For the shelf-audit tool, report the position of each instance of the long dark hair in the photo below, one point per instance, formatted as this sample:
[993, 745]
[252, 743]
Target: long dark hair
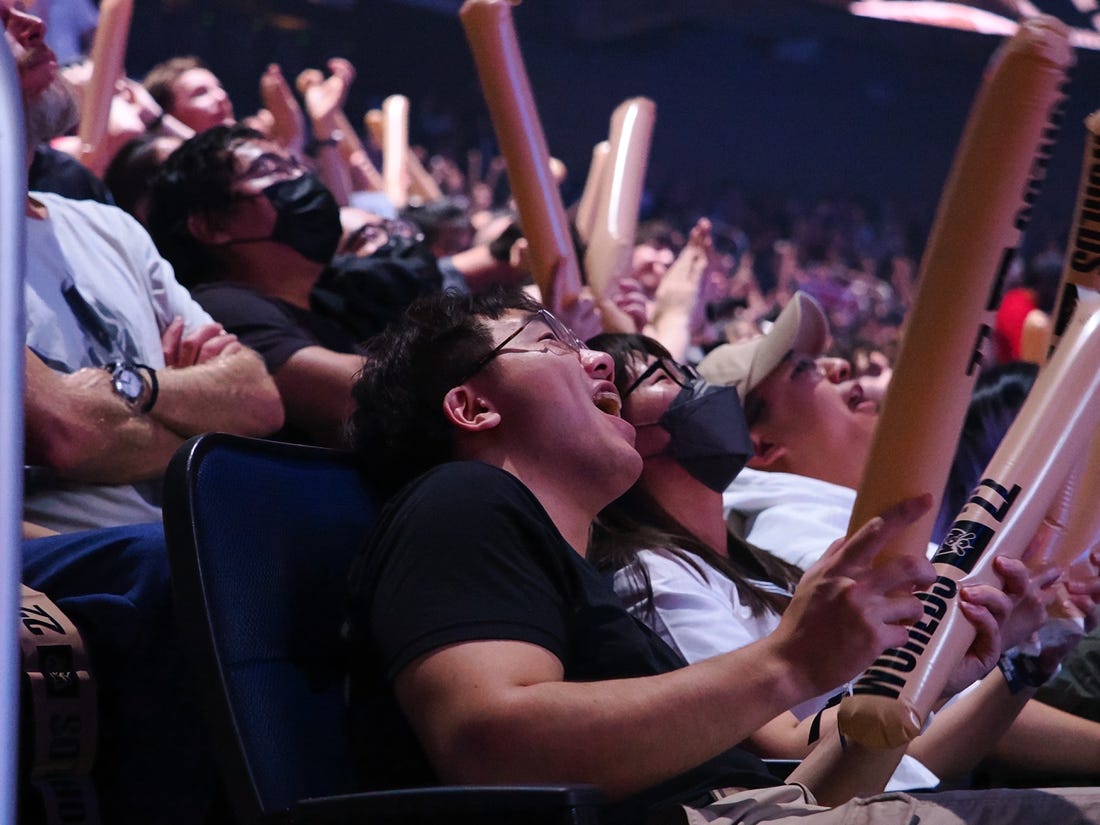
[635, 521]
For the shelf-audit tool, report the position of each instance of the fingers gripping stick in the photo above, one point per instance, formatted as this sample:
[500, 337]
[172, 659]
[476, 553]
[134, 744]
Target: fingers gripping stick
[984, 208]
[893, 697]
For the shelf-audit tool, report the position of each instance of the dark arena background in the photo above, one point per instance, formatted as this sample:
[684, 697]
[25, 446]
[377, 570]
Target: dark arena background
[778, 97]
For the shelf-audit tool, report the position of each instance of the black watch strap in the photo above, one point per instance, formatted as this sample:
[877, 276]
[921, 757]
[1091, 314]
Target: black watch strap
[154, 386]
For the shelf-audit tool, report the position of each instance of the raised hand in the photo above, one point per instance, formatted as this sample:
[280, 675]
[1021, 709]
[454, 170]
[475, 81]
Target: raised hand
[288, 124]
[852, 605]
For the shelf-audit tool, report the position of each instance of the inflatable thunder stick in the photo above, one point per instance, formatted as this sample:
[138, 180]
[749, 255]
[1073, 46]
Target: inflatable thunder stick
[1081, 269]
[892, 698]
[421, 184]
[984, 208]
[375, 122]
[586, 206]
[492, 38]
[1035, 337]
[352, 147]
[108, 55]
[395, 146]
[611, 241]
[1075, 527]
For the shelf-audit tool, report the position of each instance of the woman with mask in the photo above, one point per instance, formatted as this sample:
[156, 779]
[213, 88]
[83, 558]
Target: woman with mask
[705, 591]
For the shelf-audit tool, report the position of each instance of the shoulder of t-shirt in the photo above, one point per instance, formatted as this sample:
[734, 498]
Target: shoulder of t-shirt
[471, 481]
[92, 212]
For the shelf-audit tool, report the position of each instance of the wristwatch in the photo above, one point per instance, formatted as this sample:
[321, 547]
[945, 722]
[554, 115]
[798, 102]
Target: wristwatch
[129, 384]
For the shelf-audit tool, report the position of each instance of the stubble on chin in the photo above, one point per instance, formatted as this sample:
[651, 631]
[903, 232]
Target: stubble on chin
[51, 114]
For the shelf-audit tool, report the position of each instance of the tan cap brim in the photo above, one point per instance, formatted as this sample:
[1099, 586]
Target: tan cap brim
[801, 327]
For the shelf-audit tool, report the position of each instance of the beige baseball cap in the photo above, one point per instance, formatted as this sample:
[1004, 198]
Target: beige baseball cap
[801, 327]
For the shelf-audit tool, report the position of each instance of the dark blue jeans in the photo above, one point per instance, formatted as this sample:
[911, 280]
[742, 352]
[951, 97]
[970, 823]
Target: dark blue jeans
[152, 762]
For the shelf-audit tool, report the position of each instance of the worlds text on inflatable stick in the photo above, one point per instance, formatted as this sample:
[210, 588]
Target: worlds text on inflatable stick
[492, 38]
[395, 146]
[985, 205]
[891, 700]
[108, 55]
[611, 241]
[586, 206]
[1082, 264]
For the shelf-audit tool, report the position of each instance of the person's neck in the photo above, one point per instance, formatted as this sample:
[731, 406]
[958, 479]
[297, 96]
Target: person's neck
[282, 274]
[689, 502]
[568, 505]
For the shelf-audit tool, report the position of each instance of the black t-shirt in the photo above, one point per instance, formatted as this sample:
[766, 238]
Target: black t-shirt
[54, 171]
[365, 294]
[274, 328]
[467, 553]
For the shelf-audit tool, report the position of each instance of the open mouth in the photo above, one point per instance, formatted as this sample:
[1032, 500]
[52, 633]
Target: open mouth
[855, 397]
[858, 402]
[608, 402]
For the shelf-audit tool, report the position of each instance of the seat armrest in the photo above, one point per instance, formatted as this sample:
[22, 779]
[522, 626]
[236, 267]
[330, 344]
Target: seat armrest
[566, 804]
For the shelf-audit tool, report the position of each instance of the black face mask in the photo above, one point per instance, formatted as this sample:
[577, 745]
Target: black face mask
[308, 218]
[708, 434]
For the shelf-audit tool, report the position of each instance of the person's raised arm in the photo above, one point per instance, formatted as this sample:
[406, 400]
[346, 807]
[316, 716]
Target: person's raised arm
[499, 711]
[324, 99]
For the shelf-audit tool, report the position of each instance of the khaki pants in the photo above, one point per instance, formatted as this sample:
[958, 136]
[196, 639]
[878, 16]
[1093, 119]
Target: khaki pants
[793, 805]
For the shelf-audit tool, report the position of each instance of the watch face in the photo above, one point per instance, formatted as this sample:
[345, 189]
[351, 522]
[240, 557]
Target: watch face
[128, 382]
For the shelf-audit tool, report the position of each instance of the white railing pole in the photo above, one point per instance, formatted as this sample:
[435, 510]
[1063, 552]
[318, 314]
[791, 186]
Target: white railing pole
[13, 184]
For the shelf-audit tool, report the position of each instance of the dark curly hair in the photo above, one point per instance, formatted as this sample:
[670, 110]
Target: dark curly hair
[398, 428]
[195, 179]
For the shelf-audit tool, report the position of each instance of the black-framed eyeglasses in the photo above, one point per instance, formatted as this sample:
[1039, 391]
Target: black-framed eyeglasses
[381, 231]
[561, 341]
[267, 164]
[681, 374]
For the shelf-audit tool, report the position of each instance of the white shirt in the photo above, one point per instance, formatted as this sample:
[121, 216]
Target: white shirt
[89, 255]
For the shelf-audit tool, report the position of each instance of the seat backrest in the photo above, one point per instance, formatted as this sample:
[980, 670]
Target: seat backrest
[261, 536]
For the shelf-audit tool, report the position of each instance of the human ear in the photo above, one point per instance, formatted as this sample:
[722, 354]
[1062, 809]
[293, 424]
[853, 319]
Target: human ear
[206, 229]
[767, 455]
[468, 410]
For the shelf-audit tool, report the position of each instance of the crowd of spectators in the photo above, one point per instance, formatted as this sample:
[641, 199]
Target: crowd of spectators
[198, 271]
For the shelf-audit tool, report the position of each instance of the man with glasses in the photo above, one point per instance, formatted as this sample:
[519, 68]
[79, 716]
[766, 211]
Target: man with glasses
[253, 234]
[486, 650]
